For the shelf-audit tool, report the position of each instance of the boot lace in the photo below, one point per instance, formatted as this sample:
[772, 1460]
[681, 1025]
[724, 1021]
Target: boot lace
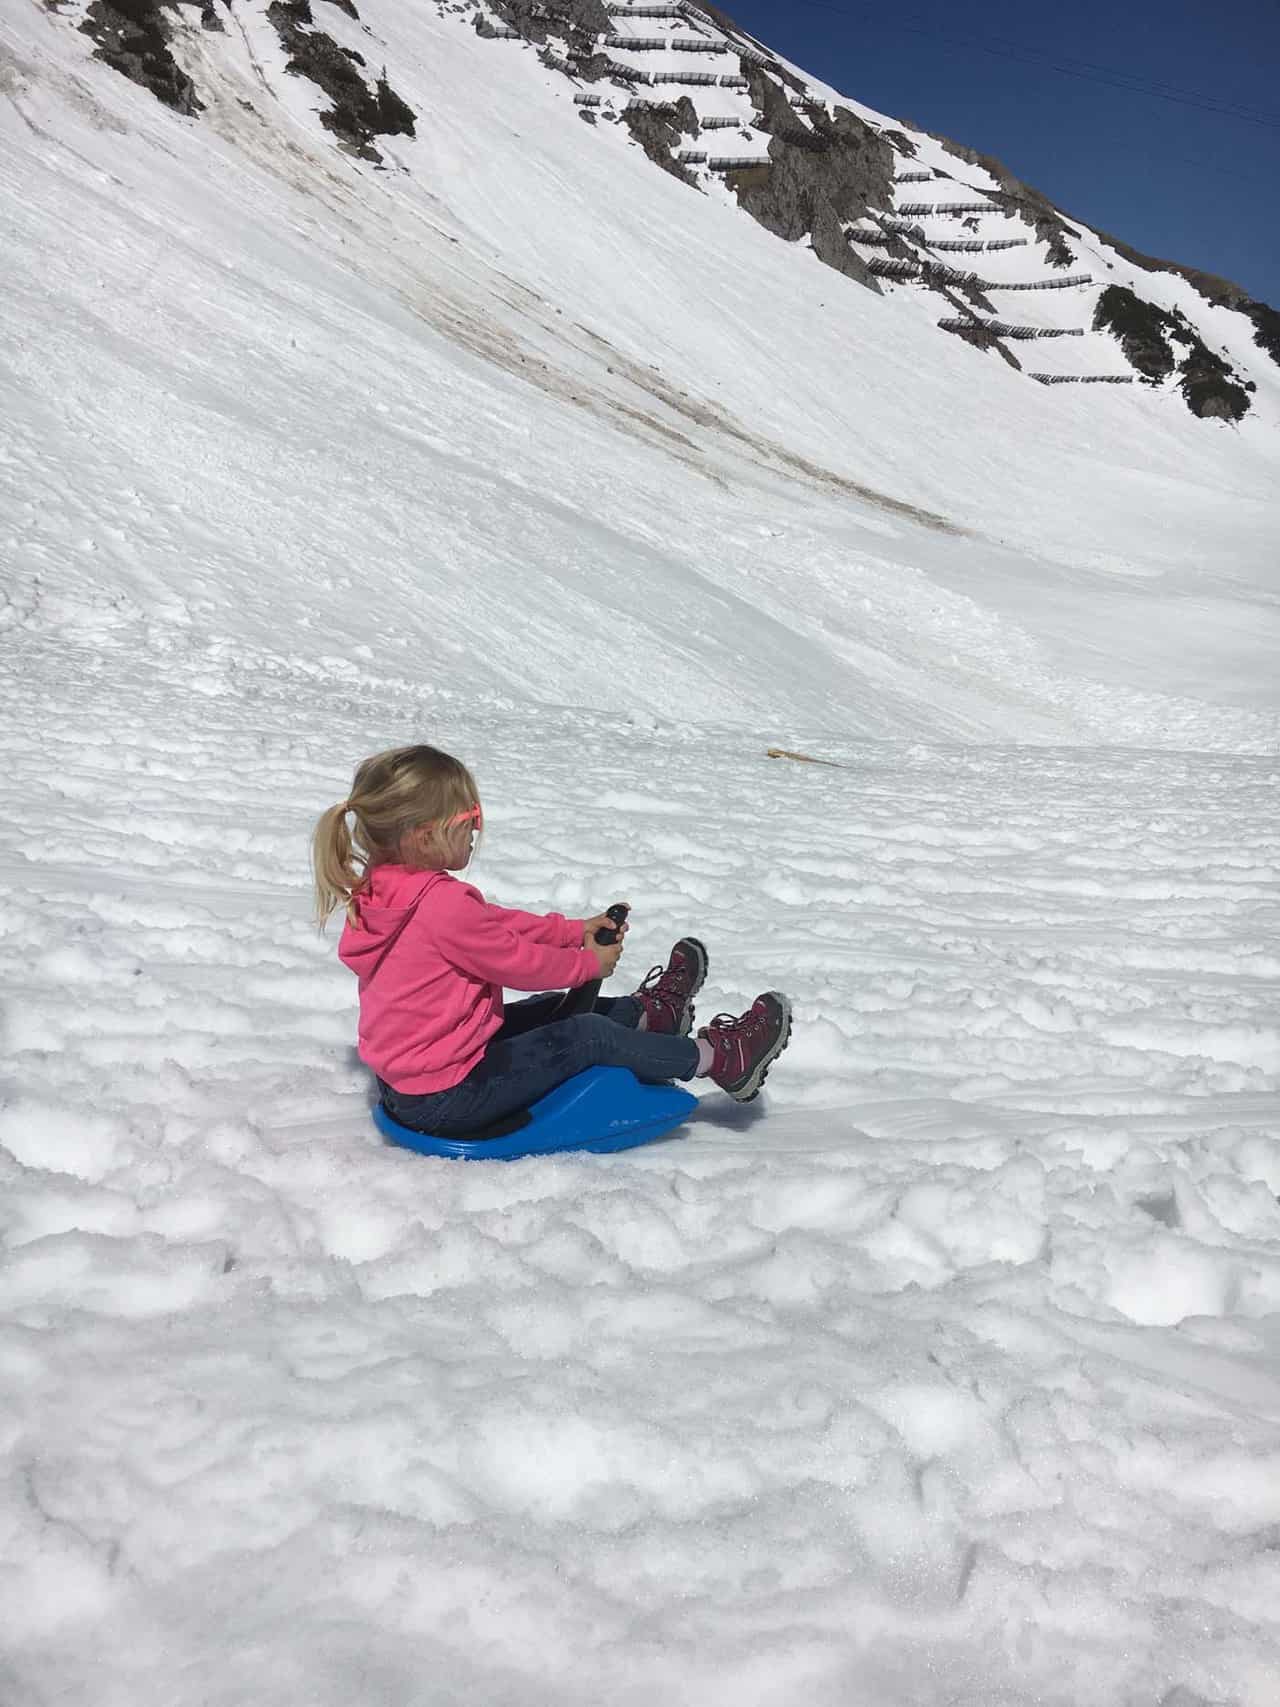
[748, 1025]
[668, 983]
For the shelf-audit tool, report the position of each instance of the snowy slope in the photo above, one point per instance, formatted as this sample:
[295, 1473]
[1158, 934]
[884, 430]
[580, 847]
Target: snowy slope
[391, 320]
[946, 1374]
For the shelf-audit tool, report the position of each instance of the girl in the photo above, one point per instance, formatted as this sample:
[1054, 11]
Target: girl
[432, 956]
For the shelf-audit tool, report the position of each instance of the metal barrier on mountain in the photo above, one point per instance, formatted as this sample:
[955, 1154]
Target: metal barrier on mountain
[890, 267]
[1003, 328]
[1040, 284]
[1083, 378]
[975, 245]
[952, 275]
[947, 207]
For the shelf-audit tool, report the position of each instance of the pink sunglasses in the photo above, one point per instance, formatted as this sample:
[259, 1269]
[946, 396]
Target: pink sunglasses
[474, 816]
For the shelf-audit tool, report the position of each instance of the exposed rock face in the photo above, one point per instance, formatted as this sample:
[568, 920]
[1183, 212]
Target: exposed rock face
[358, 113]
[581, 21]
[659, 129]
[594, 68]
[1211, 387]
[132, 37]
[1142, 329]
[820, 175]
[1147, 335]
[902, 142]
[1221, 292]
[830, 244]
[1266, 327]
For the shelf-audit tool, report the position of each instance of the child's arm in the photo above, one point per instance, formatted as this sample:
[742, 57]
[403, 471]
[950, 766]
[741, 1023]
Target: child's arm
[550, 928]
[479, 939]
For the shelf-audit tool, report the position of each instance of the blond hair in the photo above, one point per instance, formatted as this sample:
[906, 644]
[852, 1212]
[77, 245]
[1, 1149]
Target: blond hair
[392, 793]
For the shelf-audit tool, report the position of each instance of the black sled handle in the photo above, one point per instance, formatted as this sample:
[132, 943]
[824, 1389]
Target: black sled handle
[582, 999]
[618, 913]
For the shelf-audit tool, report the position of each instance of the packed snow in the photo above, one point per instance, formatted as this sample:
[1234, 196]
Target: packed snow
[945, 1375]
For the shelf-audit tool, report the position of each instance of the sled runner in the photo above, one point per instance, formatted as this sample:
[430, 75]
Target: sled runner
[603, 1109]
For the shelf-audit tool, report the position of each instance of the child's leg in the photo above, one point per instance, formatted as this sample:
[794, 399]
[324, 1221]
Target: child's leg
[622, 1010]
[529, 1014]
[515, 1071]
[533, 1011]
[541, 1009]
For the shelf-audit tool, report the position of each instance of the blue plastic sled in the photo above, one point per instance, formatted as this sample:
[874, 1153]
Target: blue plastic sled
[605, 1108]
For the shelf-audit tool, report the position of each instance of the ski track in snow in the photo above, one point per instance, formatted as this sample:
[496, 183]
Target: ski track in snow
[948, 1374]
[950, 1369]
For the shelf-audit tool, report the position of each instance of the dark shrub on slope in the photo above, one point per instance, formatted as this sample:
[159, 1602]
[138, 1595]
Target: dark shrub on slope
[1147, 335]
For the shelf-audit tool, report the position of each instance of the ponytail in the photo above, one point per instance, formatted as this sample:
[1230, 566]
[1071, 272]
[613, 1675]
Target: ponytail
[392, 793]
[338, 877]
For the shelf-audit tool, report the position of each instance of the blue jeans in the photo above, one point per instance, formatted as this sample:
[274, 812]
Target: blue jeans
[533, 1053]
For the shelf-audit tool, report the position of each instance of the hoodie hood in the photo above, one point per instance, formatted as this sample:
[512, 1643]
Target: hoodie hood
[383, 908]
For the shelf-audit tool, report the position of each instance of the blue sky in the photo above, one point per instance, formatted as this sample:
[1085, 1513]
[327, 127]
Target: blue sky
[1171, 177]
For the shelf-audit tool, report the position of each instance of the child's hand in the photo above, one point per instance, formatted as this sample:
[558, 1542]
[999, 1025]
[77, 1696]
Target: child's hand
[607, 955]
[601, 922]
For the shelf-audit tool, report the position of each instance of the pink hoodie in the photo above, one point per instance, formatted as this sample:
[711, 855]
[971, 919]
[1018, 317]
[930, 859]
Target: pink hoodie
[432, 956]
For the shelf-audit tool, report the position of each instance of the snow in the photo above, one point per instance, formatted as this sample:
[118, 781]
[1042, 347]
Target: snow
[945, 1374]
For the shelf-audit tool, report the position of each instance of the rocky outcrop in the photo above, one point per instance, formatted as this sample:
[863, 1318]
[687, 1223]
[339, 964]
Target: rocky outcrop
[1219, 291]
[1266, 327]
[578, 22]
[358, 113]
[658, 130]
[1147, 335]
[593, 68]
[1211, 386]
[820, 176]
[902, 142]
[133, 36]
[1143, 331]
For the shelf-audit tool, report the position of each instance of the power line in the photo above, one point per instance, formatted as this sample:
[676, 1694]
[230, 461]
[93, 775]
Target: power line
[1108, 76]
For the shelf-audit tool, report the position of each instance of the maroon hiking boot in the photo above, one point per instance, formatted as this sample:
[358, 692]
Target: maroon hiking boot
[667, 993]
[745, 1047]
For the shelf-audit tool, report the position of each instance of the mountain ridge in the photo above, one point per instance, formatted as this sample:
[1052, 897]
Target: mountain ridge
[791, 492]
[810, 164]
